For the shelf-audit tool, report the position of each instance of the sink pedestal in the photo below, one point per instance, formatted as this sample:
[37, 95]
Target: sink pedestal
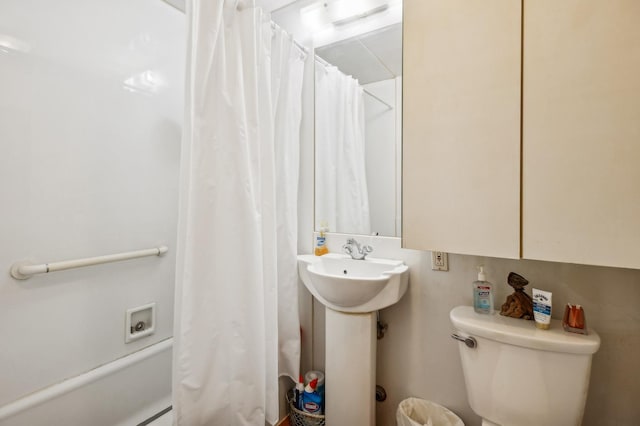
[352, 291]
[350, 368]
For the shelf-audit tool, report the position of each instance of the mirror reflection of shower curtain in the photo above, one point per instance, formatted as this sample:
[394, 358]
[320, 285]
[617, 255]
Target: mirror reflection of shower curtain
[342, 198]
[236, 311]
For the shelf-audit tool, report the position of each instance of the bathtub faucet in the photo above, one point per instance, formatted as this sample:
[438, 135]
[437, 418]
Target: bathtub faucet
[355, 250]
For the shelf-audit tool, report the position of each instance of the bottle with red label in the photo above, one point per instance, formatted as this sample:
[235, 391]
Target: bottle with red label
[482, 294]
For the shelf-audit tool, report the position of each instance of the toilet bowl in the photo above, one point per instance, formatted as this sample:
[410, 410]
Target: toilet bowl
[518, 375]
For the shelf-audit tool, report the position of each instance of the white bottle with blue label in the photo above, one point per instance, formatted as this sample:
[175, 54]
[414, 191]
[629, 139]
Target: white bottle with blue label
[482, 294]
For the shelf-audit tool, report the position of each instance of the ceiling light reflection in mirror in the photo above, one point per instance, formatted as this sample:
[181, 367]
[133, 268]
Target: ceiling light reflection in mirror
[335, 20]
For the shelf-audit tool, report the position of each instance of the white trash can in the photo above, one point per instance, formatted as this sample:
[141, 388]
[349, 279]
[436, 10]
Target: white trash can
[419, 412]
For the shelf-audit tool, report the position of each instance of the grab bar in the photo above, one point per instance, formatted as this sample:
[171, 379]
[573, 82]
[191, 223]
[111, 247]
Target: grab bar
[24, 270]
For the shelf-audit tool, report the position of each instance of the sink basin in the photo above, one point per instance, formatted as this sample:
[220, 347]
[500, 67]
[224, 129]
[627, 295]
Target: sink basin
[354, 286]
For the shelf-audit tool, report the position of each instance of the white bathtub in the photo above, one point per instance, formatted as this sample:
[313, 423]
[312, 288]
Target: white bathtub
[124, 392]
[164, 420]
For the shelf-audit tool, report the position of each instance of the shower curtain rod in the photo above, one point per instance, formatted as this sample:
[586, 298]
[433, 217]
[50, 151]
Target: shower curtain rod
[298, 45]
[180, 5]
[327, 64]
[304, 50]
[24, 270]
[377, 98]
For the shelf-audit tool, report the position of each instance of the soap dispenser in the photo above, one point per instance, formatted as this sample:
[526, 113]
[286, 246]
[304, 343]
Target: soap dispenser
[482, 294]
[321, 242]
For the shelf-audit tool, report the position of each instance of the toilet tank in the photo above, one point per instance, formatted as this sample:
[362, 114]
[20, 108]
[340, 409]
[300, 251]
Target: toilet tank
[518, 375]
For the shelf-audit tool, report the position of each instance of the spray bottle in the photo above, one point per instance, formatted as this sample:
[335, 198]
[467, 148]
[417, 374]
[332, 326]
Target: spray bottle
[311, 401]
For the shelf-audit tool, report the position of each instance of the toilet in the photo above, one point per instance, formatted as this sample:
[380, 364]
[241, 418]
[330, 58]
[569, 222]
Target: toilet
[518, 375]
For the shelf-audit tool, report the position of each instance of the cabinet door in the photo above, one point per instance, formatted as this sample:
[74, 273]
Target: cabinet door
[461, 128]
[581, 131]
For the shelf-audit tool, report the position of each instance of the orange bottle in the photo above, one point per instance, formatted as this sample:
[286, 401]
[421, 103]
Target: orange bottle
[321, 242]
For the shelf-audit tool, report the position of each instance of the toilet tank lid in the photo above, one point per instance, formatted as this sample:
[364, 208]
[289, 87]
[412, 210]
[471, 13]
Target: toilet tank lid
[523, 333]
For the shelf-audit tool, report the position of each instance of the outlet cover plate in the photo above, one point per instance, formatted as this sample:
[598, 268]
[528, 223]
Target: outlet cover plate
[439, 261]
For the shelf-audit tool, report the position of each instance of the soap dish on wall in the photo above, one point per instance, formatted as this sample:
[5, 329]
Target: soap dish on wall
[140, 322]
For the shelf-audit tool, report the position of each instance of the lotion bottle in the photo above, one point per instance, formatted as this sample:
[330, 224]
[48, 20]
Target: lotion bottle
[482, 294]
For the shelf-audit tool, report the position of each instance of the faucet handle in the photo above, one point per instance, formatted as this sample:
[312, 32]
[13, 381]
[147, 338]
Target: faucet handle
[355, 250]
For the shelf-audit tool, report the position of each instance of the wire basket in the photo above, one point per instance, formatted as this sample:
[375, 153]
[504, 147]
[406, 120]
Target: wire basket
[300, 418]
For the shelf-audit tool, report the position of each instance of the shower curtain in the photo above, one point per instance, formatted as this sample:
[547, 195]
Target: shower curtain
[236, 319]
[342, 198]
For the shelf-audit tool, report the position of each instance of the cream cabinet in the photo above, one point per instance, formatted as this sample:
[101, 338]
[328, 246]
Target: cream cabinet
[461, 126]
[577, 199]
[581, 132]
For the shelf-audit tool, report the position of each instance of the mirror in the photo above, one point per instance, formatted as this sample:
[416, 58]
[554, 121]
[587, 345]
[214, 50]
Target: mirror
[358, 133]
[358, 120]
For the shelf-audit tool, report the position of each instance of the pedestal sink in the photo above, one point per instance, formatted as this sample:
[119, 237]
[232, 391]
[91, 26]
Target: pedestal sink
[352, 291]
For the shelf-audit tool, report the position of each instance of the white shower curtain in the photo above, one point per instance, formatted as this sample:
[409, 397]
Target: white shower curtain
[236, 318]
[342, 198]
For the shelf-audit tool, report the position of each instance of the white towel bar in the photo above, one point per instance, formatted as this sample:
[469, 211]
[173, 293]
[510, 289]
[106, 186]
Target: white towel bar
[24, 270]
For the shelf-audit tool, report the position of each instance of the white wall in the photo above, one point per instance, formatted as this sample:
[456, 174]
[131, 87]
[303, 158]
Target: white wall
[418, 358]
[381, 123]
[90, 123]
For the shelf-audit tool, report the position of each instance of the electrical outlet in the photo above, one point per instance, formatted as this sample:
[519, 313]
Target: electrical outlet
[439, 261]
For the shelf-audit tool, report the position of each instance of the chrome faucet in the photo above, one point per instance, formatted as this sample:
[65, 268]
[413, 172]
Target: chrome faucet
[355, 250]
